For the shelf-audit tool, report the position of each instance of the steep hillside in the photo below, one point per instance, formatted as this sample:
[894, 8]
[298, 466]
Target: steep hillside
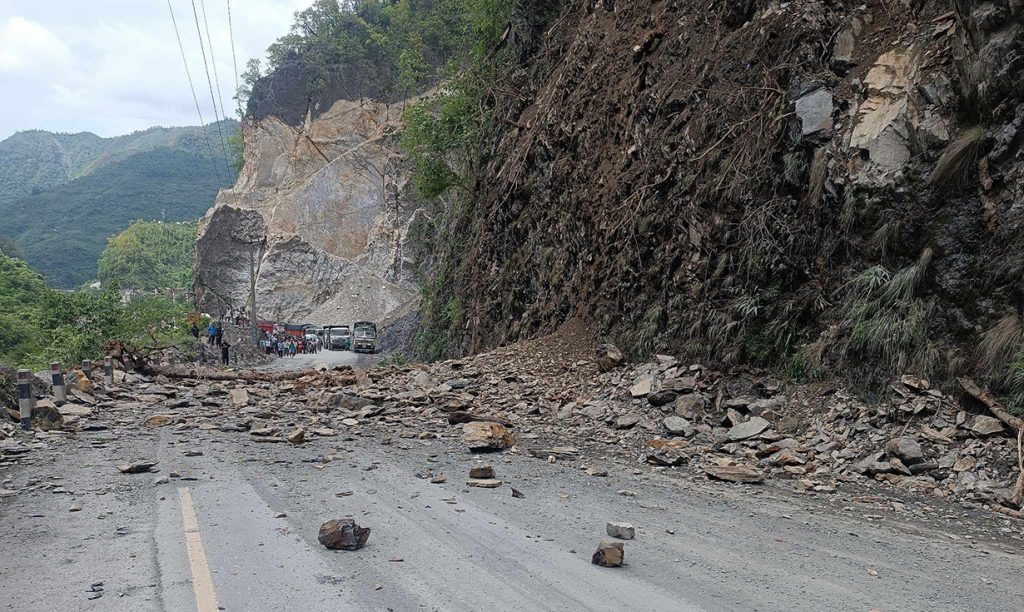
[810, 185]
[61, 231]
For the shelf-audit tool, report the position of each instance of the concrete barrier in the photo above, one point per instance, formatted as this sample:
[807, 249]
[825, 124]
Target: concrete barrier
[60, 392]
[25, 398]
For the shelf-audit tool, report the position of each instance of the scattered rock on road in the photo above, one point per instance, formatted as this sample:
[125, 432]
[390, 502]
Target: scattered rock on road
[298, 436]
[622, 531]
[136, 468]
[481, 471]
[609, 554]
[906, 449]
[157, 420]
[484, 483]
[343, 534]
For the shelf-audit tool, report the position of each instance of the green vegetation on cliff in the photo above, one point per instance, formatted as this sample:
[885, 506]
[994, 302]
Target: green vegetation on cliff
[149, 255]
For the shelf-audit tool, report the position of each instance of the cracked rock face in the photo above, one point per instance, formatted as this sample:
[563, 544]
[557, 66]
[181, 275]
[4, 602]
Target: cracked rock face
[321, 208]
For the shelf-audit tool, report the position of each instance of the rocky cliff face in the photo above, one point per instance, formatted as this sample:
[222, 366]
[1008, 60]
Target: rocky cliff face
[323, 208]
[808, 184]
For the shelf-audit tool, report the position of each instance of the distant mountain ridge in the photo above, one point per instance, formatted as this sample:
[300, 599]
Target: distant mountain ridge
[63, 195]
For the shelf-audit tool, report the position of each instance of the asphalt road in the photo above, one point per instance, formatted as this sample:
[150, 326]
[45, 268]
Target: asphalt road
[214, 533]
[324, 358]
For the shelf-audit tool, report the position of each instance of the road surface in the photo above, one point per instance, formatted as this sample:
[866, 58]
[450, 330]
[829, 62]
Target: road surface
[230, 523]
[324, 358]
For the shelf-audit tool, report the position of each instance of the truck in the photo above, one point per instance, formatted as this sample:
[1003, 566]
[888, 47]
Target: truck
[337, 337]
[365, 337]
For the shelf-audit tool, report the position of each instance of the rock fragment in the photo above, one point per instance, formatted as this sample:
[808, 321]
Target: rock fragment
[140, 467]
[986, 425]
[734, 473]
[906, 449]
[609, 554]
[157, 420]
[481, 471]
[748, 429]
[298, 436]
[622, 531]
[609, 357]
[343, 534]
[486, 436]
[484, 483]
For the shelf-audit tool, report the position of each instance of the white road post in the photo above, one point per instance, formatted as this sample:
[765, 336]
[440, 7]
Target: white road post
[60, 392]
[108, 371]
[25, 399]
[87, 368]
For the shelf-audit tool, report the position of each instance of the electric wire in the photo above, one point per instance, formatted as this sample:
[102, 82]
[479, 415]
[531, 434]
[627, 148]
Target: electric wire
[234, 59]
[209, 82]
[195, 98]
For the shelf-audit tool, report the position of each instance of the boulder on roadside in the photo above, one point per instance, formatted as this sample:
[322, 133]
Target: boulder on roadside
[609, 554]
[689, 406]
[343, 534]
[486, 436]
[678, 426]
[609, 357]
[642, 386]
[748, 429]
[986, 425]
[298, 436]
[906, 449]
[46, 418]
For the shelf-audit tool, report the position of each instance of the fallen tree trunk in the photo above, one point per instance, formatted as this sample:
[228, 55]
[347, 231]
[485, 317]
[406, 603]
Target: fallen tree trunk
[1014, 422]
[983, 396]
[246, 375]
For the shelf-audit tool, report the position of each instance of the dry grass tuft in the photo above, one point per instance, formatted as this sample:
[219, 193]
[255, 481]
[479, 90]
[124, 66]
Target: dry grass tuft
[954, 167]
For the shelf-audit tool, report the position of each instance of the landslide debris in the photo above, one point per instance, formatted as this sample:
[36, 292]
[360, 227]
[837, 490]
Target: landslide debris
[548, 398]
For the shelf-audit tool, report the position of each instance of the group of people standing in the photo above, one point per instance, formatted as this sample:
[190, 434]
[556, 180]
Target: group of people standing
[215, 337]
[290, 347]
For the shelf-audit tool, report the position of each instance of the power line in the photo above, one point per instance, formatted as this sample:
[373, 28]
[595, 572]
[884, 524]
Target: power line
[209, 82]
[195, 98]
[234, 60]
[213, 61]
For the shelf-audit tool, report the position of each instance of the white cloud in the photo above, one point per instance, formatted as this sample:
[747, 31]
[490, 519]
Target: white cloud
[26, 45]
[117, 68]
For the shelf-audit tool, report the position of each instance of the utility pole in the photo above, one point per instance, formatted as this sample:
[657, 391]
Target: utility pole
[252, 291]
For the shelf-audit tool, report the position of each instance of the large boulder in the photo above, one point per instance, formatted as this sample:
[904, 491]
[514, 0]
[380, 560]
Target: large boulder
[486, 436]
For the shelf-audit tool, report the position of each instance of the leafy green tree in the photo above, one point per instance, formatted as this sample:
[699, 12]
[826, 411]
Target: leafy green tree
[149, 255]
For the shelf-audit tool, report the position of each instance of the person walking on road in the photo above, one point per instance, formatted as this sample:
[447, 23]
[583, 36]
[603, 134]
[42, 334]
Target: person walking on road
[211, 333]
[225, 346]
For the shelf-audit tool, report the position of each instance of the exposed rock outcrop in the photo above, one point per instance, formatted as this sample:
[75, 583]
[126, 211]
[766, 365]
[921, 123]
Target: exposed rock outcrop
[322, 208]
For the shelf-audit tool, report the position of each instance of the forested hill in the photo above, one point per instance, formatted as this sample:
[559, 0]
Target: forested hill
[63, 195]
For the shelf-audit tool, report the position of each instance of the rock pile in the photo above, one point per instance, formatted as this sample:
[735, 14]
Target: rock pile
[550, 398]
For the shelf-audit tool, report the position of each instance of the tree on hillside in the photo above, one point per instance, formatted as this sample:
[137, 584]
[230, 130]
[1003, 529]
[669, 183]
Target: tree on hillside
[149, 255]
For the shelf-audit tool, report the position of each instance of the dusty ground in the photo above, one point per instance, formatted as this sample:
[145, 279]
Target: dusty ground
[74, 520]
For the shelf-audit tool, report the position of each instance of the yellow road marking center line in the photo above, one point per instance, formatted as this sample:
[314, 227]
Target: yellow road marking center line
[202, 581]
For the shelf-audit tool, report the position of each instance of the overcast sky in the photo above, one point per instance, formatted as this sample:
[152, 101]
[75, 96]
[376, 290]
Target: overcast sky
[113, 66]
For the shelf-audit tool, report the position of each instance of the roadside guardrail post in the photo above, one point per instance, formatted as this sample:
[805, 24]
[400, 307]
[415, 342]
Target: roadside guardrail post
[108, 371]
[25, 399]
[87, 368]
[60, 392]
